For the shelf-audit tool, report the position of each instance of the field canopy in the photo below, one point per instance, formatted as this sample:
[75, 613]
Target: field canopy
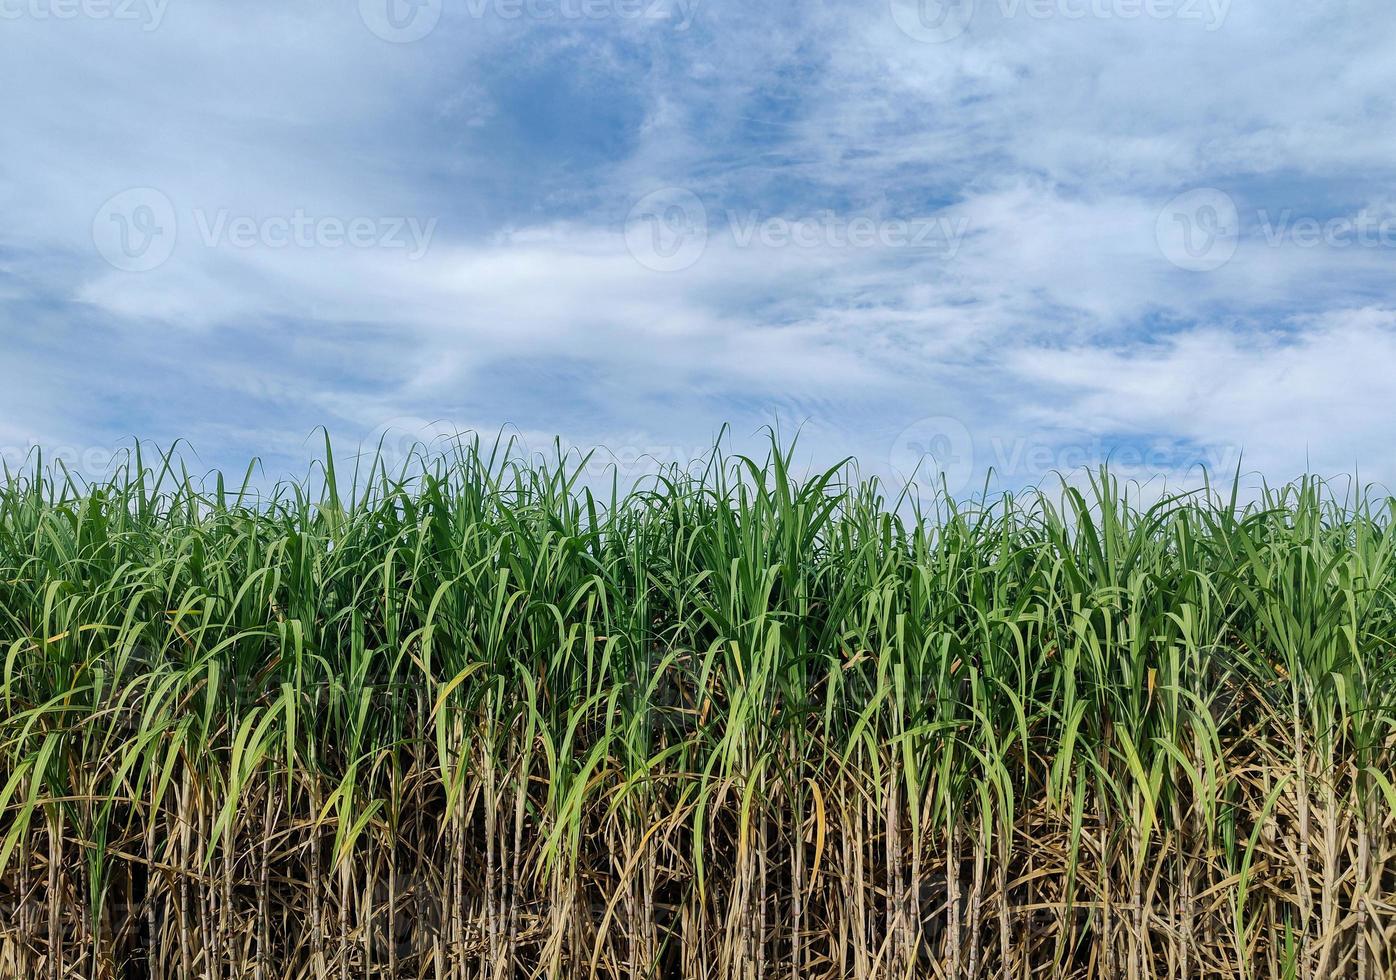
[471, 716]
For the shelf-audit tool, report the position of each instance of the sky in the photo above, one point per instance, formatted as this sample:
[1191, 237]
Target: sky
[1014, 237]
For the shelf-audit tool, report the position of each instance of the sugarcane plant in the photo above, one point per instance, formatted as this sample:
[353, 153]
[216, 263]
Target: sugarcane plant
[483, 715]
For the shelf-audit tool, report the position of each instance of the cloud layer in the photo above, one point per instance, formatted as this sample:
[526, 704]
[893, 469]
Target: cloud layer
[1018, 234]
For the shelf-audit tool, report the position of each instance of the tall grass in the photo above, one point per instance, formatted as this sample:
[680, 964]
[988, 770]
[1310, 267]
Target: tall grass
[469, 720]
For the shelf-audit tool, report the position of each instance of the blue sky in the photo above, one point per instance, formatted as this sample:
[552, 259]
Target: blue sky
[1019, 234]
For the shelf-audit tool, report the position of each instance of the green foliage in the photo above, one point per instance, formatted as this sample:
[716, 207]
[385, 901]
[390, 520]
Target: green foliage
[726, 687]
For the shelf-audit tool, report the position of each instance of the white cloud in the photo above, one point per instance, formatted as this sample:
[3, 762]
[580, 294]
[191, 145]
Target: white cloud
[1310, 396]
[1056, 141]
